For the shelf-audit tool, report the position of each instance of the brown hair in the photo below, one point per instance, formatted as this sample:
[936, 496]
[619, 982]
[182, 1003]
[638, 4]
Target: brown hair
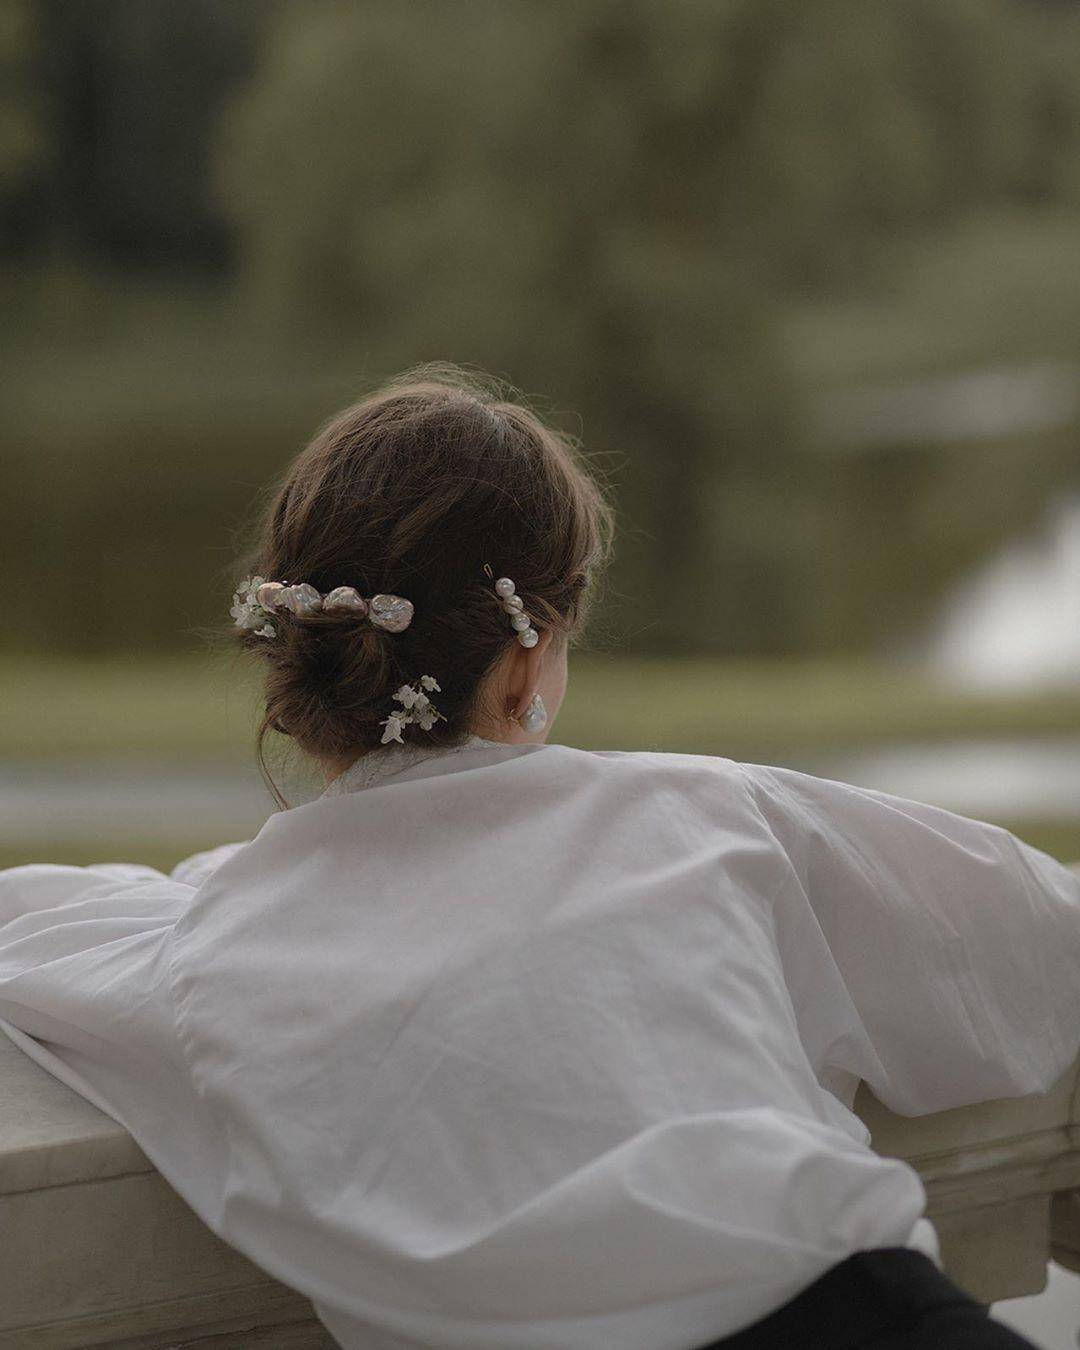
[410, 492]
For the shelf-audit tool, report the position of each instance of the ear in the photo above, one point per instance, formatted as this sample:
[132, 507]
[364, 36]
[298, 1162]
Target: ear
[526, 677]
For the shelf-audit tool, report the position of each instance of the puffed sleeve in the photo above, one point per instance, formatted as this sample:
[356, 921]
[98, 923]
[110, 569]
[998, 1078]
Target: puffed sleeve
[47, 886]
[933, 955]
[82, 947]
[85, 990]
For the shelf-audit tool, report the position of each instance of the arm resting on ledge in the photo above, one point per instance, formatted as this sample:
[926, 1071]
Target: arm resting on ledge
[99, 1249]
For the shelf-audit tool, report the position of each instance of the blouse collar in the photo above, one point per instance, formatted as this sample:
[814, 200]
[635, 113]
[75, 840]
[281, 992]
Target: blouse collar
[386, 760]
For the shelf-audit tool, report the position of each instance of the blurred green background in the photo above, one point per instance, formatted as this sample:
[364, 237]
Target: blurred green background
[803, 278]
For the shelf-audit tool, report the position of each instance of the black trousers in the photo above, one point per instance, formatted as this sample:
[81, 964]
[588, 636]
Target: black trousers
[885, 1298]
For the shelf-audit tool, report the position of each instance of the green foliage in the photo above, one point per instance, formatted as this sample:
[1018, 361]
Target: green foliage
[678, 220]
[24, 135]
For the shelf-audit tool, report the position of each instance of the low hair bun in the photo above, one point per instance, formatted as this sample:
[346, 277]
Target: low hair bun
[328, 681]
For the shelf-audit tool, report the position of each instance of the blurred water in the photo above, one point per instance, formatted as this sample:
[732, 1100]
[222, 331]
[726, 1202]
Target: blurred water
[93, 802]
[1015, 624]
[1029, 777]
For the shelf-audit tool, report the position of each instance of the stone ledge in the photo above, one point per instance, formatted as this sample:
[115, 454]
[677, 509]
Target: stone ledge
[100, 1251]
[1002, 1180]
[50, 1136]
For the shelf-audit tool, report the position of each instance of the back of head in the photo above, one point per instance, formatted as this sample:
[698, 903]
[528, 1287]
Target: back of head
[411, 492]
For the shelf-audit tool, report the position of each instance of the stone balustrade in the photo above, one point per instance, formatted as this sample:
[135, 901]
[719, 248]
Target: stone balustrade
[98, 1250]
[1002, 1183]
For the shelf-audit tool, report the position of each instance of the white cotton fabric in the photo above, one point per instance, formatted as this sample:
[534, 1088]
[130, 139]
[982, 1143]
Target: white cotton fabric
[533, 1048]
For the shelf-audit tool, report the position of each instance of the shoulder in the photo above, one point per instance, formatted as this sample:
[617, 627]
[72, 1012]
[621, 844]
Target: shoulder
[645, 771]
[657, 762]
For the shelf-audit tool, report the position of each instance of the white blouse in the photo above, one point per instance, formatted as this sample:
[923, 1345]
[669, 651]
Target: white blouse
[524, 1047]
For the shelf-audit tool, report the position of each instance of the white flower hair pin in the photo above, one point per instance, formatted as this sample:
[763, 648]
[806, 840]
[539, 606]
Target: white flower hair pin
[416, 706]
[247, 611]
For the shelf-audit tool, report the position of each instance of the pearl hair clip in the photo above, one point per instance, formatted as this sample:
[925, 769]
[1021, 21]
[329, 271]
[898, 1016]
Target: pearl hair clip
[513, 605]
[256, 600]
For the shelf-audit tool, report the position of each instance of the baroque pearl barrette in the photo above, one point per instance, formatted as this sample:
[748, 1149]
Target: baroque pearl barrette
[256, 600]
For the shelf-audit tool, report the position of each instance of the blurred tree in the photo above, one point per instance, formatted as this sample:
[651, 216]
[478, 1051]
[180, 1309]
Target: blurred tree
[610, 197]
[134, 87]
[25, 149]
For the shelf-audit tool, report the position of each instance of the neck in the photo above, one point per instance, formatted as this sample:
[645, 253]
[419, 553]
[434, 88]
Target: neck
[332, 770]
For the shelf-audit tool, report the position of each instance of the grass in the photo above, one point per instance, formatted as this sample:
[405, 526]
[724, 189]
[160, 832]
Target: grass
[195, 708]
[757, 710]
[134, 850]
[167, 708]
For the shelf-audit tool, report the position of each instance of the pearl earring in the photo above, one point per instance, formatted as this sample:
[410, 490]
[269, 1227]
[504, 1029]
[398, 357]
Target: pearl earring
[534, 718]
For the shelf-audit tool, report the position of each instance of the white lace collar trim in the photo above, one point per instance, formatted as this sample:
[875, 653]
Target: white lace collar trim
[383, 762]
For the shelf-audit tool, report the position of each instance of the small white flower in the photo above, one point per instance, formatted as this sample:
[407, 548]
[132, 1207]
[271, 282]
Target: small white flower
[247, 616]
[422, 710]
[393, 725]
[406, 695]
